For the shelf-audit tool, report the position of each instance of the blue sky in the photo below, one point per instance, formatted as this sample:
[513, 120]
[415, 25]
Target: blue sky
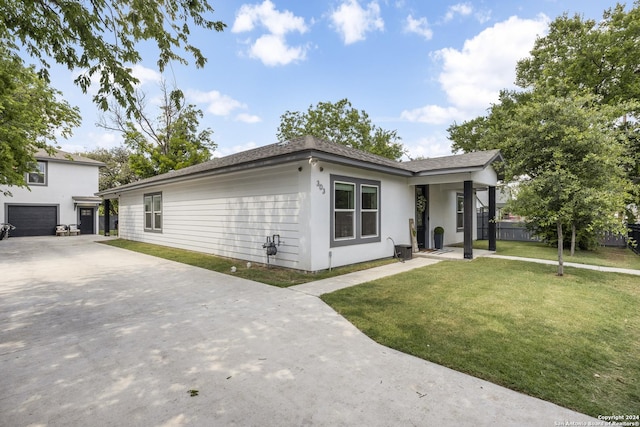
[414, 66]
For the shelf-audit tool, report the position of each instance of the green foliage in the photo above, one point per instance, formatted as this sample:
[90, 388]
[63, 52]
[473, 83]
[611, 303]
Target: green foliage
[117, 171]
[100, 38]
[342, 124]
[172, 141]
[31, 116]
[567, 137]
[438, 230]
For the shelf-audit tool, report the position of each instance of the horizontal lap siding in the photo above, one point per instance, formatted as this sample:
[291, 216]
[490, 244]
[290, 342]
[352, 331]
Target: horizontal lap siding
[229, 216]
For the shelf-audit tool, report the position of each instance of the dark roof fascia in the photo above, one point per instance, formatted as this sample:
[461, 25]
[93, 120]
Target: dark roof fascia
[254, 164]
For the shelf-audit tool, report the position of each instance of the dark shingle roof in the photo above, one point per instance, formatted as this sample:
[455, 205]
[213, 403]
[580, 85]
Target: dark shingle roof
[62, 156]
[299, 149]
[477, 159]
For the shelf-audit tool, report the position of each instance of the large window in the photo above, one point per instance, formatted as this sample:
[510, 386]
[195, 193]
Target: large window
[344, 212]
[355, 210]
[459, 212]
[369, 212]
[38, 176]
[153, 212]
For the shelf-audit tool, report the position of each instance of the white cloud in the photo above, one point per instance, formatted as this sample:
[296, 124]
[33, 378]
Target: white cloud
[463, 9]
[145, 75]
[272, 48]
[267, 16]
[473, 77]
[431, 114]
[353, 22]
[419, 26]
[226, 151]
[436, 145]
[248, 118]
[216, 103]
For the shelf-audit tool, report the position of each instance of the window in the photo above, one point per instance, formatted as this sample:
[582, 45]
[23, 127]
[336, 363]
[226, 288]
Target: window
[369, 210]
[344, 212]
[459, 212]
[355, 210]
[153, 212]
[39, 174]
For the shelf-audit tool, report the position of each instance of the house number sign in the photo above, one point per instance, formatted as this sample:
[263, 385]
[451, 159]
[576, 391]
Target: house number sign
[320, 186]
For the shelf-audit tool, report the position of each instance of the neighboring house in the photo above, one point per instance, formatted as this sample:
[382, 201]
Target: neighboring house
[326, 205]
[61, 191]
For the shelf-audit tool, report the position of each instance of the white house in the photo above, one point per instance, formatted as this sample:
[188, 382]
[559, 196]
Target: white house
[320, 204]
[61, 191]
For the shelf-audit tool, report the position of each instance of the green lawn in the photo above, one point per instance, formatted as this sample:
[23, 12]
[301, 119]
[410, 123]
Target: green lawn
[281, 277]
[571, 340]
[607, 257]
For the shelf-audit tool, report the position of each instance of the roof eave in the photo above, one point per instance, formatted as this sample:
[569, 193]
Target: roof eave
[272, 161]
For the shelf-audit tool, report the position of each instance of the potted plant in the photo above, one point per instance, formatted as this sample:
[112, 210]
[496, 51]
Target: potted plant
[438, 236]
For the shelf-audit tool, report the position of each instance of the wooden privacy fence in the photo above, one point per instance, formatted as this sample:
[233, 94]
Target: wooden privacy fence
[516, 231]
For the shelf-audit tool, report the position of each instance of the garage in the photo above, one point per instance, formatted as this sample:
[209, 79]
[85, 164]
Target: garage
[31, 220]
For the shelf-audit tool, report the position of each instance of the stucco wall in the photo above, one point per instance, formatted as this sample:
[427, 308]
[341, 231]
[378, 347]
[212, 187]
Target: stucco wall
[442, 211]
[397, 205]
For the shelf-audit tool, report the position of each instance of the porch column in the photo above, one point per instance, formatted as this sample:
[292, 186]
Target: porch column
[492, 218]
[468, 220]
[107, 216]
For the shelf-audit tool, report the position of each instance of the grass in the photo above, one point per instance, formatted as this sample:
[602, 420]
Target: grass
[275, 276]
[571, 340]
[603, 256]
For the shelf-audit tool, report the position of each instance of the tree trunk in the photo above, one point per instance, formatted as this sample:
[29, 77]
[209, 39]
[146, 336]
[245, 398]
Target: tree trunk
[573, 239]
[560, 261]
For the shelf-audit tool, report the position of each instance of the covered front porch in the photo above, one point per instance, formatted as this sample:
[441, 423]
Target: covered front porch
[446, 199]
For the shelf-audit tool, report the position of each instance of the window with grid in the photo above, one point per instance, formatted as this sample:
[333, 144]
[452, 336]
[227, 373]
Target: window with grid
[153, 212]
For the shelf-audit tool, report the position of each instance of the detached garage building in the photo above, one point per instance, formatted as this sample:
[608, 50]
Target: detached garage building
[62, 192]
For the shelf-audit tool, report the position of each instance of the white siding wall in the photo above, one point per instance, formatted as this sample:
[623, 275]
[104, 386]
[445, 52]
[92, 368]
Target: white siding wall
[227, 215]
[64, 180]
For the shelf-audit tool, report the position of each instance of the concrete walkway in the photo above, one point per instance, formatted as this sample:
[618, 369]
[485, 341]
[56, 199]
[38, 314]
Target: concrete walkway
[95, 335]
[570, 264]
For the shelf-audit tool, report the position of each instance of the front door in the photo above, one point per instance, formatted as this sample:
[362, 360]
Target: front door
[87, 221]
[422, 216]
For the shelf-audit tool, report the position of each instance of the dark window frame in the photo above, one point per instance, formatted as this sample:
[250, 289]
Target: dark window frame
[358, 210]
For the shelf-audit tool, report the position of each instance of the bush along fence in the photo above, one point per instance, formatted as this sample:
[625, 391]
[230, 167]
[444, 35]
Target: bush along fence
[516, 231]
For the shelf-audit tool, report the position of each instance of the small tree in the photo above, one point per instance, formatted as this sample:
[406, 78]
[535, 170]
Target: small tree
[568, 164]
[342, 124]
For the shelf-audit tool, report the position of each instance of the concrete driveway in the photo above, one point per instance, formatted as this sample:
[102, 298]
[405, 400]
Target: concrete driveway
[95, 335]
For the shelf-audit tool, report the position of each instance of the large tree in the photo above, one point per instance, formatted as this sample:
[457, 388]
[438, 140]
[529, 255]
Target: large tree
[101, 38]
[593, 68]
[171, 141]
[342, 124]
[566, 157]
[599, 58]
[31, 114]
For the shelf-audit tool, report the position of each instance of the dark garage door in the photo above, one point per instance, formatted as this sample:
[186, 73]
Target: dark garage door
[33, 220]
